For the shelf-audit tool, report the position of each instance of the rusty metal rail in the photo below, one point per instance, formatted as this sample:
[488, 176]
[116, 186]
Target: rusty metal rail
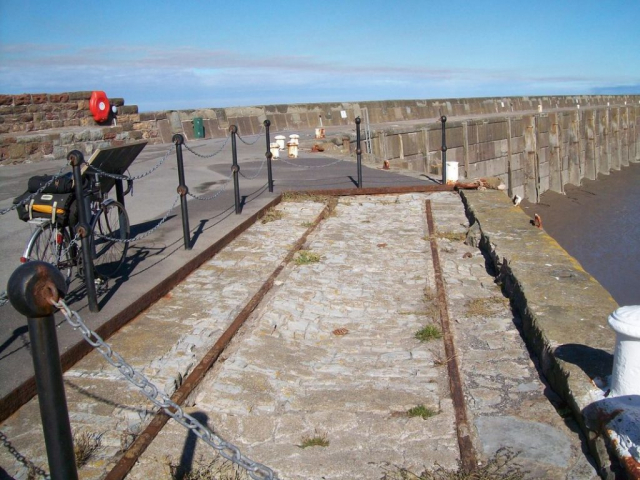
[468, 455]
[137, 448]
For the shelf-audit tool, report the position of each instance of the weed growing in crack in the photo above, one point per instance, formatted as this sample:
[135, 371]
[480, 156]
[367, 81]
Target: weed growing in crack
[305, 257]
[422, 412]
[427, 333]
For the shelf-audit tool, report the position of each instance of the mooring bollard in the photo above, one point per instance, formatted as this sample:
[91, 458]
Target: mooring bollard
[182, 190]
[443, 119]
[31, 289]
[76, 159]
[269, 155]
[235, 168]
[358, 152]
[625, 380]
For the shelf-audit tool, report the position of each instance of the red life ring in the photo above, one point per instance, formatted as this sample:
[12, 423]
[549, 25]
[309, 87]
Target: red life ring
[99, 106]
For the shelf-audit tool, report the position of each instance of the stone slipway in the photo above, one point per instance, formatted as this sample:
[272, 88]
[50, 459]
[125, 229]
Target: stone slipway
[564, 310]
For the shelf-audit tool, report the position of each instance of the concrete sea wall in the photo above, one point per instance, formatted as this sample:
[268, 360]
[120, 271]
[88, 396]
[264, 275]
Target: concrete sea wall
[533, 143]
[531, 152]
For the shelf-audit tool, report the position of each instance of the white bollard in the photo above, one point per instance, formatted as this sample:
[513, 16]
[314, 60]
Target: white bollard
[452, 172]
[293, 150]
[625, 380]
[294, 138]
[275, 150]
[280, 141]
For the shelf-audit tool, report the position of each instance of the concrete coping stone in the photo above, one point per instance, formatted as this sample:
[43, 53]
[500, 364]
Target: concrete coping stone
[564, 310]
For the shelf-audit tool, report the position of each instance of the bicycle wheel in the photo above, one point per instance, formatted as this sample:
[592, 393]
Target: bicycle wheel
[109, 229]
[50, 243]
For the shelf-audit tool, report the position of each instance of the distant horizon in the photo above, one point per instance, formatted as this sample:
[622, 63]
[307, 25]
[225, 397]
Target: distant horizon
[205, 54]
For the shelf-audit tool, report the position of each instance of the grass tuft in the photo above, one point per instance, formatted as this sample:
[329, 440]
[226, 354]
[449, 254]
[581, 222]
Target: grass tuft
[306, 257]
[429, 332]
[315, 441]
[485, 307]
[421, 411]
[499, 467]
[85, 445]
[217, 469]
[272, 215]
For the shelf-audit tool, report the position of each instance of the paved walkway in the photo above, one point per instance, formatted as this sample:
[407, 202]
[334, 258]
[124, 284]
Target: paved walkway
[330, 354]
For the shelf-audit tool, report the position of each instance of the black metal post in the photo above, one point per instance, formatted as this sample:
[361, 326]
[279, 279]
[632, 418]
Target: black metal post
[76, 159]
[182, 191]
[443, 119]
[235, 168]
[358, 152]
[31, 289]
[269, 155]
[119, 191]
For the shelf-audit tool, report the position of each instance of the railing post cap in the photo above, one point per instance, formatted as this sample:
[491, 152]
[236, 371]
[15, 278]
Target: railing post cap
[178, 139]
[32, 287]
[358, 120]
[75, 157]
[233, 129]
[443, 118]
[267, 123]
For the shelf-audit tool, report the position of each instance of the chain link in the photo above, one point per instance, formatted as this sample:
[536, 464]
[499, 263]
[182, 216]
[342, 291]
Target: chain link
[255, 141]
[258, 173]
[224, 187]
[142, 235]
[310, 166]
[136, 177]
[40, 190]
[4, 298]
[226, 140]
[21, 458]
[160, 399]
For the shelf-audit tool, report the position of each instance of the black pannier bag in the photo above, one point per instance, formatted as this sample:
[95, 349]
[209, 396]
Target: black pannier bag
[62, 184]
[55, 206]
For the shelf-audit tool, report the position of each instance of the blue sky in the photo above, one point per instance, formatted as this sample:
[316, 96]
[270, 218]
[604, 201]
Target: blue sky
[196, 54]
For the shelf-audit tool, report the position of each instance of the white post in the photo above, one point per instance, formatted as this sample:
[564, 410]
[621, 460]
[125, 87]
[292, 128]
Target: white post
[625, 380]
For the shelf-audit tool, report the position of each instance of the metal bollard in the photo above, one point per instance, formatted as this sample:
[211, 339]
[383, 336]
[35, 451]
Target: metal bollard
[358, 152]
[443, 119]
[31, 288]
[269, 156]
[182, 190]
[235, 168]
[625, 380]
[76, 159]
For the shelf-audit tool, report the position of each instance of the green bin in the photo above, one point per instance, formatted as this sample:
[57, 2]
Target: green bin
[198, 128]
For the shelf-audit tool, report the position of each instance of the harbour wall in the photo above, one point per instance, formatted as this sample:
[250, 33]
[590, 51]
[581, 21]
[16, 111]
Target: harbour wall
[533, 143]
[531, 153]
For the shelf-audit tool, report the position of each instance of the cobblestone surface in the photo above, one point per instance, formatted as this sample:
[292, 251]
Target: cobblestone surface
[165, 342]
[288, 377]
[329, 354]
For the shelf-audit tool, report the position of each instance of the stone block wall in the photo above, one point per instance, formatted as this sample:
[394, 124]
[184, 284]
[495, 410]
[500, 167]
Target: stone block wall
[531, 153]
[509, 132]
[48, 126]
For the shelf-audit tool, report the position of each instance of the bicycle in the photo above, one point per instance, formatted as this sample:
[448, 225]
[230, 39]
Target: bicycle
[55, 241]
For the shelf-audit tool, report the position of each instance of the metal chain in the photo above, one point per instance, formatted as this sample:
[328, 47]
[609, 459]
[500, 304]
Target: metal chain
[136, 177]
[21, 458]
[255, 141]
[224, 187]
[28, 199]
[4, 298]
[160, 399]
[142, 235]
[226, 140]
[258, 173]
[311, 166]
